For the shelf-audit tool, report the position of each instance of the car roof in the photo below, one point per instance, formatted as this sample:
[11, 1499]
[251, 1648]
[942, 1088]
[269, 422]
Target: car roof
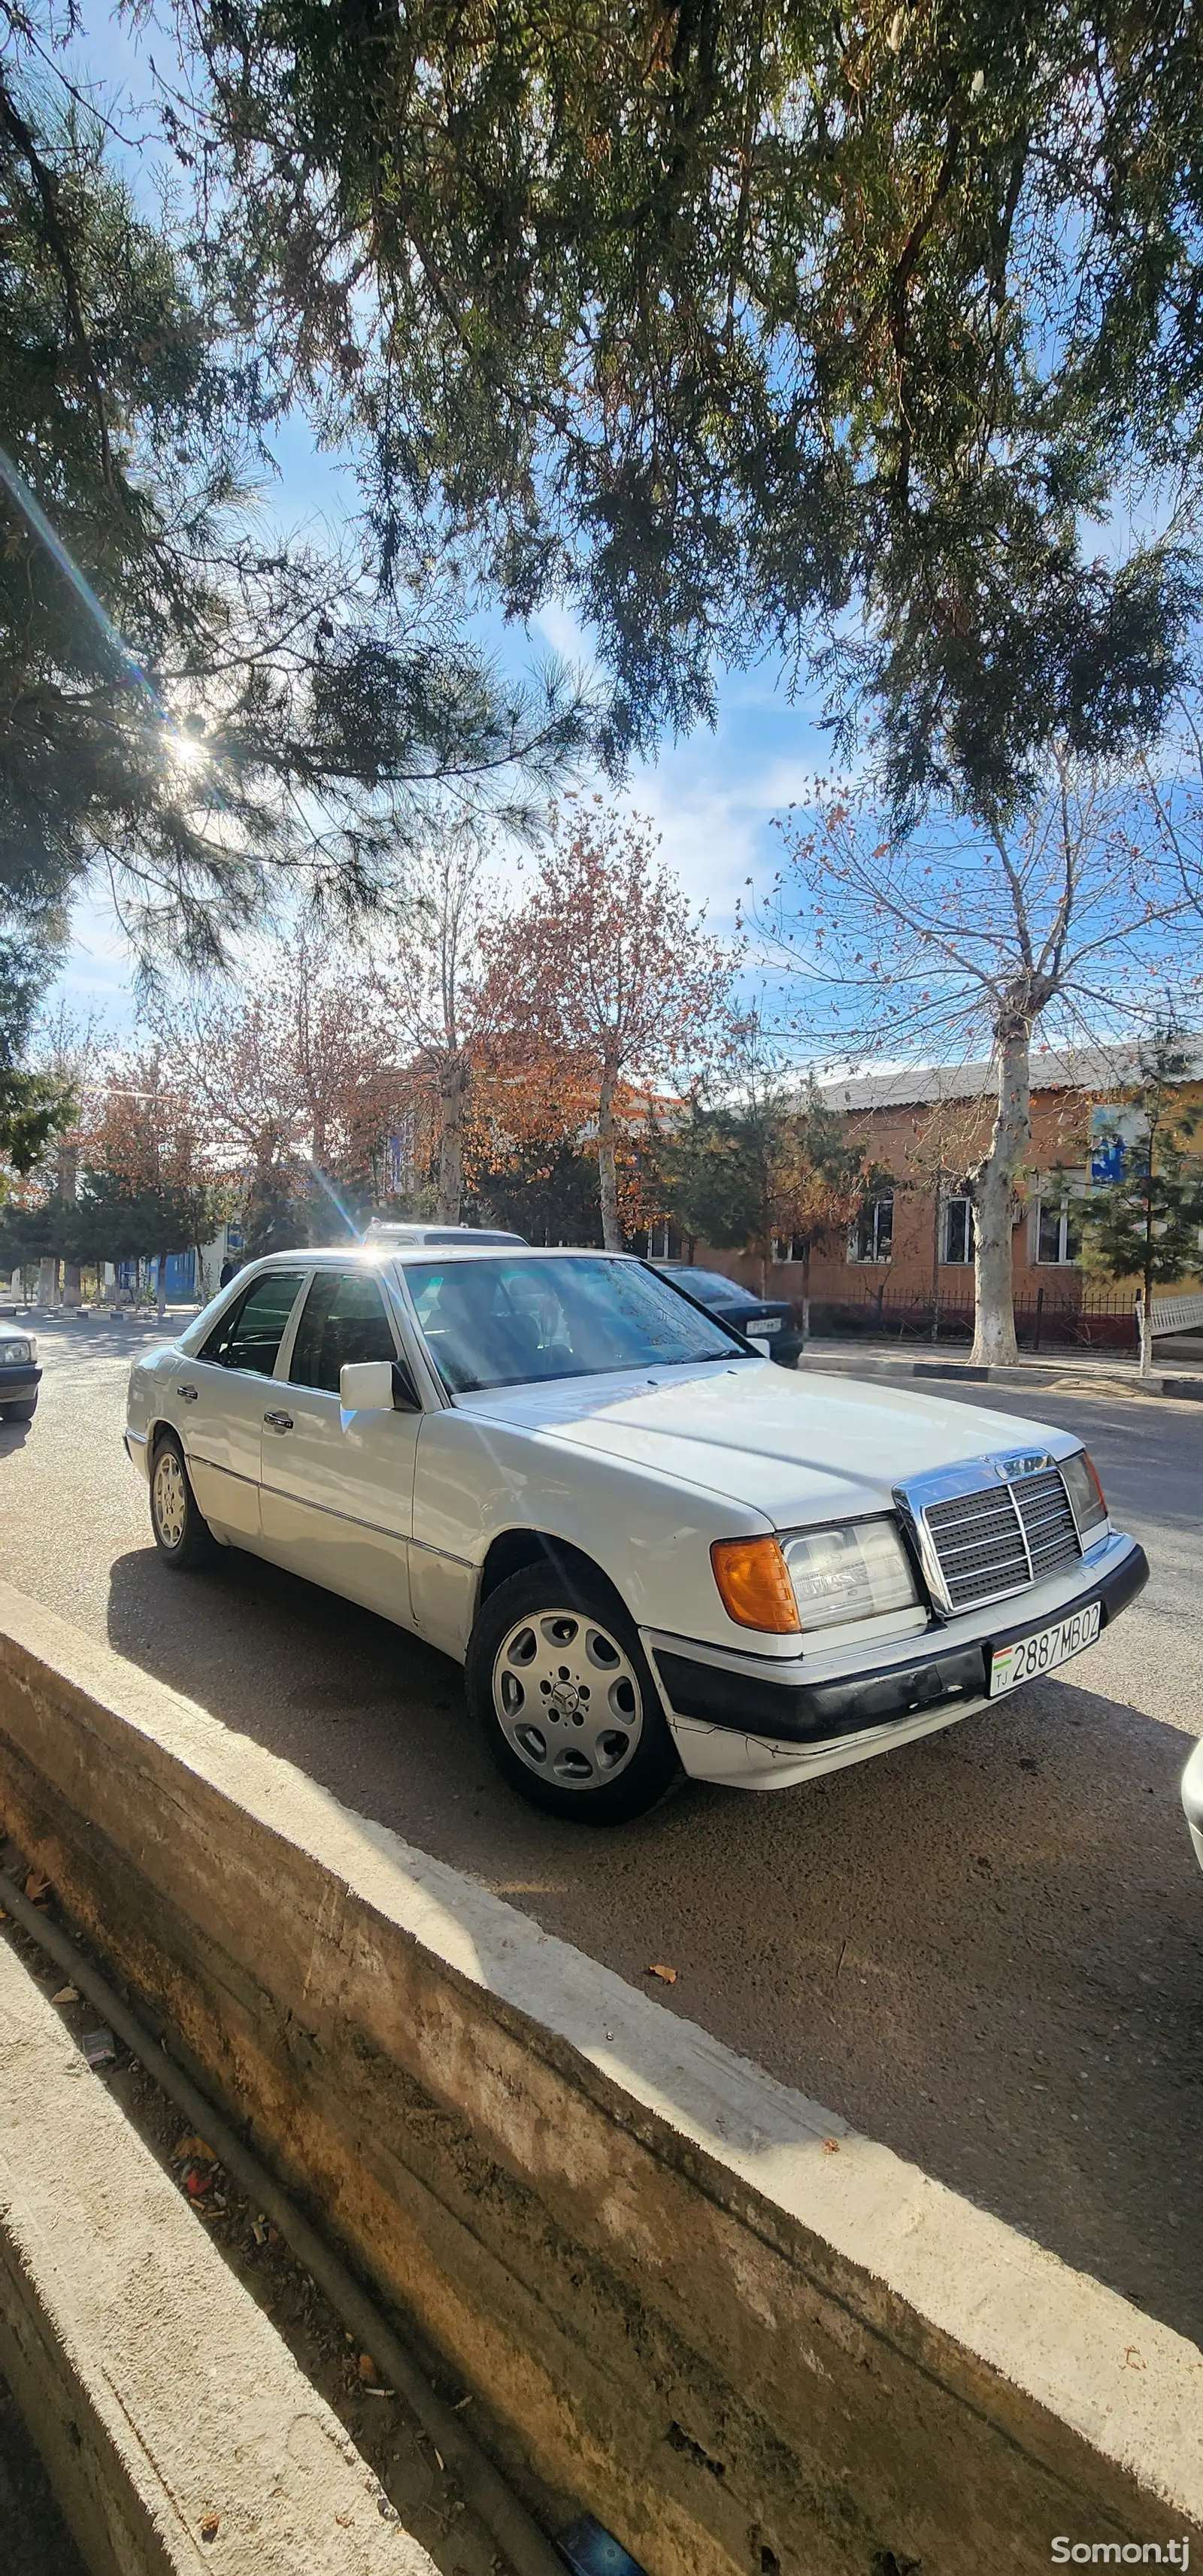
[473, 1248]
[443, 1237]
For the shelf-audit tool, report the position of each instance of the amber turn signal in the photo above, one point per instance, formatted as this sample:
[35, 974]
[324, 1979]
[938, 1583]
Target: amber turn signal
[754, 1585]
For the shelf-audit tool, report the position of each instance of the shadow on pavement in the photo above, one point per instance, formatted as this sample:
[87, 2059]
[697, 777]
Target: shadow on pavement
[985, 1949]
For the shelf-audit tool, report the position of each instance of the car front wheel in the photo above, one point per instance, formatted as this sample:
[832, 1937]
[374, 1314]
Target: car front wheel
[22, 1409]
[561, 1685]
[182, 1538]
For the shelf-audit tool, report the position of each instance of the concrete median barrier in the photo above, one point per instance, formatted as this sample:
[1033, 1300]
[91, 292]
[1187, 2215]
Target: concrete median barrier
[685, 2297]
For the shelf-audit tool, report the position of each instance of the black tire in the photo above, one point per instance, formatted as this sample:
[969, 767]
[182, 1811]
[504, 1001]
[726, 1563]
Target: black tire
[182, 1538]
[598, 1765]
[23, 1410]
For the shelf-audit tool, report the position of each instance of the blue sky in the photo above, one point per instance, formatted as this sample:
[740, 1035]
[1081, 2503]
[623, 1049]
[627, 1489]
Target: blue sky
[712, 797]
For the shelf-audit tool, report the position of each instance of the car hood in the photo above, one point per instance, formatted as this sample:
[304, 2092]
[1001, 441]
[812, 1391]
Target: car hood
[795, 1448]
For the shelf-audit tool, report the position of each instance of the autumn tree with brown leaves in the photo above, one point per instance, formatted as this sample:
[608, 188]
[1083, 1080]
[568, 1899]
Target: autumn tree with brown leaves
[608, 964]
[292, 1069]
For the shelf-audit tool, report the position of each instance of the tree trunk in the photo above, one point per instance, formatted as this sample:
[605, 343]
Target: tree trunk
[68, 1182]
[995, 1183]
[606, 1166]
[452, 1090]
[1146, 1311]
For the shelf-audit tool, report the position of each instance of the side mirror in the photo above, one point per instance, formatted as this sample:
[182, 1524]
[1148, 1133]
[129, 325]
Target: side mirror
[377, 1386]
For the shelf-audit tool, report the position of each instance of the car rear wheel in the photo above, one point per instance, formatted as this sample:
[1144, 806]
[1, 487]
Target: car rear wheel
[571, 1714]
[182, 1538]
[22, 1410]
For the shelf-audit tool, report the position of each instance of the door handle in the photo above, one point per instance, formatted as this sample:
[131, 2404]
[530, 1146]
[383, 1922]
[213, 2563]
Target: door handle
[188, 1393]
[278, 1421]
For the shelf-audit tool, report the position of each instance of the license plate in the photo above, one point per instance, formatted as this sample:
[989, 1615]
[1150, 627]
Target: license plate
[765, 1324]
[1030, 1656]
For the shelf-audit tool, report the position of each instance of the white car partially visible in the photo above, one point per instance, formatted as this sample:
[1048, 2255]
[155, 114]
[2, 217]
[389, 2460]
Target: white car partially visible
[652, 1550]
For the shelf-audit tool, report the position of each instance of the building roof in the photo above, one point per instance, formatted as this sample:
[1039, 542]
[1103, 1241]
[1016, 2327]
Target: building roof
[1096, 1069]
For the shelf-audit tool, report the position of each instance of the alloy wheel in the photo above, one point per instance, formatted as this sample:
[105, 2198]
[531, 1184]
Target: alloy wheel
[169, 1496]
[567, 1699]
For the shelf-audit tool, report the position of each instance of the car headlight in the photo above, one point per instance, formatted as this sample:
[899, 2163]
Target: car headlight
[1087, 1500]
[14, 1351]
[854, 1572]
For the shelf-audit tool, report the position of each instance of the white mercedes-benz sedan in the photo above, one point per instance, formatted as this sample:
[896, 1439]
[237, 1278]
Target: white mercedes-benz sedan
[652, 1549]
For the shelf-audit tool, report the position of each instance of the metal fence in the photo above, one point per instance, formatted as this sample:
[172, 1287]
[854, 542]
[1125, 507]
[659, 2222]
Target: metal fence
[1094, 1319]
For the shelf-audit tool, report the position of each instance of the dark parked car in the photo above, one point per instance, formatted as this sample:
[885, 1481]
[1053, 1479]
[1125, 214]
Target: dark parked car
[19, 1376]
[769, 1319]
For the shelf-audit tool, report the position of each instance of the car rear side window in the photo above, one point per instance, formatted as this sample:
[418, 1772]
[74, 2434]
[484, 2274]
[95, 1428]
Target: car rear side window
[249, 1334]
[343, 1320]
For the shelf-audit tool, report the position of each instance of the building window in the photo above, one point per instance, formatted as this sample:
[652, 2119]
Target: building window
[658, 1241]
[1056, 1234]
[872, 1234]
[789, 1247]
[957, 1233]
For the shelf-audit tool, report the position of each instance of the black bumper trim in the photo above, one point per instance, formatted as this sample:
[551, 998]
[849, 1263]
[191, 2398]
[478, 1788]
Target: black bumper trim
[818, 1712]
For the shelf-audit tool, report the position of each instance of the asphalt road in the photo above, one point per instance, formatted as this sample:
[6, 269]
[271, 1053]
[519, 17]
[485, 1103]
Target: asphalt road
[986, 1949]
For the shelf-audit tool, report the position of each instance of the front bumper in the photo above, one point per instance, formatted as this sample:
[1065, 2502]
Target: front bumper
[1192, 1800]
[791, 1725]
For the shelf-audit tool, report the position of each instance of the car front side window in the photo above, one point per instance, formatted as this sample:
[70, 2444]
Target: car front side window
[249, 1334]
[343, 1320]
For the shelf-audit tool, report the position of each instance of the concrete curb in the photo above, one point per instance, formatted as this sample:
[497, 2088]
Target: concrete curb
[684, 2294]
[155, 2388]
[1065, 1380]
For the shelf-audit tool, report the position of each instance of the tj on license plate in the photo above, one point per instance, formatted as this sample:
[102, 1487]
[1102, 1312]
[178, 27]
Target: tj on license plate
[1043, 1652]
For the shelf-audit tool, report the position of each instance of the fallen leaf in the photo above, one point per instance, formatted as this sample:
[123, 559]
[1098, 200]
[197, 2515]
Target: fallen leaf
[1133, 2359]
[831, 2146]
[667, 1976]
[189, 2149]
[65, 1995]
[346, 2519]
[37, 1886]
[210, 2526]
[368, 2371]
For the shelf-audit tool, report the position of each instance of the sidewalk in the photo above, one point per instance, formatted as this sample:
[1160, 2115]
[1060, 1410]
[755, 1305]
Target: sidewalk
[1077, 1372]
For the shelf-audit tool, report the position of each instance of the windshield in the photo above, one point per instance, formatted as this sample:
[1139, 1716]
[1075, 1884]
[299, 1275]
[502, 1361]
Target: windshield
[712, 1288]
[508, 1323]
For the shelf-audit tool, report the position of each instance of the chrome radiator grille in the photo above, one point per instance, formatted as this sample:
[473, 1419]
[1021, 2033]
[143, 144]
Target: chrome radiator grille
[1002, 1537]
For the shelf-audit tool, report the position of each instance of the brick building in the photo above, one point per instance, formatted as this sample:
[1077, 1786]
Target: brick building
[906, 1264]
